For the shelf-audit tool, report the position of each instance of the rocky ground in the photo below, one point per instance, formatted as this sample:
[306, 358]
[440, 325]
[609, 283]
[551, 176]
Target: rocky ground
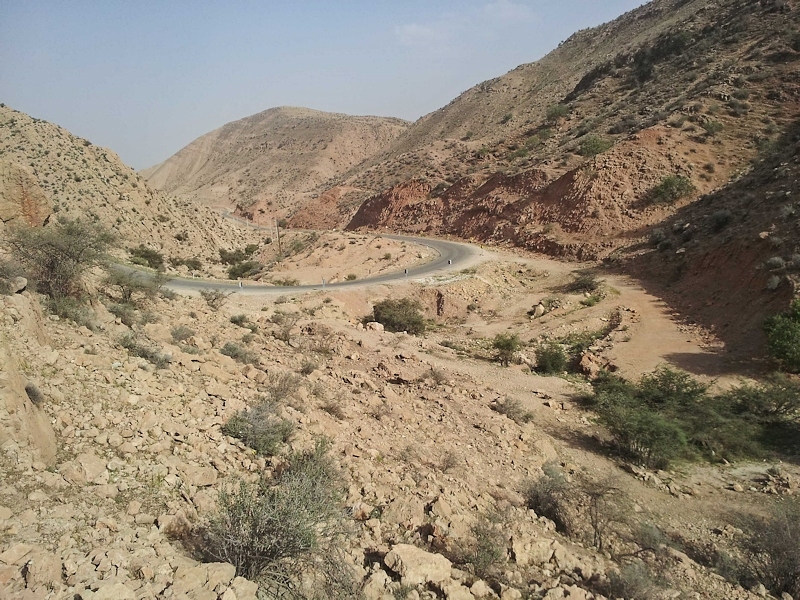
[108, 461]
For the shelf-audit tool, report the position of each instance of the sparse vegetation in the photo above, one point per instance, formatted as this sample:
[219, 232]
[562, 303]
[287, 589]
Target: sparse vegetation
[399, 315]
[137, 347]
[260, 427]
[783, 338]
[592, 145]
[215, 299]
[505, 345]
[277, 530]
[671, 189]
[550, 358]
[147, 257]
[57, 256]
[239, 353]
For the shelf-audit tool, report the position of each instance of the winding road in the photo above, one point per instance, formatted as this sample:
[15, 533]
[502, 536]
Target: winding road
[452, 257]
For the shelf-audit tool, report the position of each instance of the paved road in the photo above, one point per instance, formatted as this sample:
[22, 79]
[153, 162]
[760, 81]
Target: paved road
[452, 257]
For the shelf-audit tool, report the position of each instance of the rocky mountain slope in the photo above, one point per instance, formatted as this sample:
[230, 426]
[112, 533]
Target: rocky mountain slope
[674, 88]
[116, 464]
[46, 172]
[273, 161]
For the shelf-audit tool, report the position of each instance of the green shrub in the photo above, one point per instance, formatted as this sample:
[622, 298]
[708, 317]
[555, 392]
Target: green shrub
[281, 386]
[56, 256]
[712, 128]
[285, 530]
[720, 220]
[239, 353]
[771, 547]
[783, 338]
[131, 287]
[214, 298]
[125, 312]
[181, 333]
[137, 347]
[671, 189]
[350, 277]
[244, 269]
[550, 496]
[592, 145]
[399, 315]
[633, 581]
[505, 345]
[147, 257]
[261, 428]
[584, 282]
[513, 409]
[551, 358]
[556, 111]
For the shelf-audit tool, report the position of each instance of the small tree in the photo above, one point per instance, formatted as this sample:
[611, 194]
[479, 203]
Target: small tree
[556, 112]
[399, 315]
[672, 188]
[506, 345]
[593, 144]
[56, 256]
[783, 338]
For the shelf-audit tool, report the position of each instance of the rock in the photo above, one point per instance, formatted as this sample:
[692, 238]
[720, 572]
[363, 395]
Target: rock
[114, 591]
[17, 285]
[374, 326]
[220, 575]
[554, 594]
[375, 587]
[244, 589]
[17, 554]
[22, 200]
[362, 511]
[481, 589]
[416, 567]
[530, 551]
[538, 311]
[43, 568]
[510, 593]
[199, 476]
[456, 591]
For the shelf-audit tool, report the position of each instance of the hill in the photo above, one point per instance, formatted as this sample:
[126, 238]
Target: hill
[675, 88]
[274, 160]
[46, 172]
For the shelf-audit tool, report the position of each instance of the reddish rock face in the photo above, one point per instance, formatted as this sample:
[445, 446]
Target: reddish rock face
[21, 198]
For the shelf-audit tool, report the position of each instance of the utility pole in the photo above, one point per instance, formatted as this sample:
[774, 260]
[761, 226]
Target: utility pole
[278, 230]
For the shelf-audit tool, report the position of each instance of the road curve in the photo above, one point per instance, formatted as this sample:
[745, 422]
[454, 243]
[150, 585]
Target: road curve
[452, 256]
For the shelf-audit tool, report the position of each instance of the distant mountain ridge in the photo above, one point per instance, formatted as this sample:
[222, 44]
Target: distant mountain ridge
[275, 159]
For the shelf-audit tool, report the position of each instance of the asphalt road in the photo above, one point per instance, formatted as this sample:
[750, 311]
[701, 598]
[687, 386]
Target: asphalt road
[452, 257]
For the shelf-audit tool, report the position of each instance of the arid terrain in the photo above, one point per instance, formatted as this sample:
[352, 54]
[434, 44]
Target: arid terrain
[600, 402]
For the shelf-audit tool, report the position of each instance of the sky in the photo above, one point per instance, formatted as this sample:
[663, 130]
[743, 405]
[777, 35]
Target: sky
[145, 78]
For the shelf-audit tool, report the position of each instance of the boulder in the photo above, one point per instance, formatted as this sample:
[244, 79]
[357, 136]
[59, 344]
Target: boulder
[416, 566]
[21, 198]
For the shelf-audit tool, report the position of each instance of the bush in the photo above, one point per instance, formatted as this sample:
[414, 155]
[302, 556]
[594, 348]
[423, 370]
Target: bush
[131, 287]
[487, 550]
[505, 346]
[282, 385]
[556, 111]
[772, 548]
[783, 338]
[239, 353]
[592, 145]
[124, 312]
[350, 277]
[550, 358]
[181, 333]
[720, 220]
[283, 530]
[671, 189]
[244, 269]
[147, 257]
[513, 409]
[57, 256]
[712, 128]
[632, 581]
[550, 496]
[260, 428]
[399, 315]
[774, 263]
[136, 347]
[584, 282]
[214, 298]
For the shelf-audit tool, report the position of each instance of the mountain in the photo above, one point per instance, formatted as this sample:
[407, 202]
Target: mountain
[274, 160]
[46, 172]
[676, 88]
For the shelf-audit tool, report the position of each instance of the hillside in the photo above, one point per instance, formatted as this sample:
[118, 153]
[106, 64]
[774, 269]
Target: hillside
[44, 166]
[676, 87]
[274, 160]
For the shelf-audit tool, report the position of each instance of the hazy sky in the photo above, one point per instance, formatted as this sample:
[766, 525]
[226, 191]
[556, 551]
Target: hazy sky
[145, 78]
